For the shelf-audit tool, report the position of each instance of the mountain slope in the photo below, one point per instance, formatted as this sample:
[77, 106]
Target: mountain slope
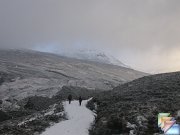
[25, 72]
[133, 107]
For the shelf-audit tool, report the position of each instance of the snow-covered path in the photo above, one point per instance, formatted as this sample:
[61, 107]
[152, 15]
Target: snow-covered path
[78, 123]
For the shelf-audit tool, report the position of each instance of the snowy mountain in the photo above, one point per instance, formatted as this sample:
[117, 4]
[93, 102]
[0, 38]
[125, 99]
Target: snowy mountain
[25, 72]
[94, 55]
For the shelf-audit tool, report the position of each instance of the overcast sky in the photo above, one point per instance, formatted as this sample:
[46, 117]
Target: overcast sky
[144, 34]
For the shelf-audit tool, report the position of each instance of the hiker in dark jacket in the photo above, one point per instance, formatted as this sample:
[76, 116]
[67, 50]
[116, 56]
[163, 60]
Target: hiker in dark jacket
[70, 98]
[80, 100]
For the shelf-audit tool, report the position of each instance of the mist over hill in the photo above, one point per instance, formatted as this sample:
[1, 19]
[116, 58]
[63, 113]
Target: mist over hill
[26, 73]
[94, 55]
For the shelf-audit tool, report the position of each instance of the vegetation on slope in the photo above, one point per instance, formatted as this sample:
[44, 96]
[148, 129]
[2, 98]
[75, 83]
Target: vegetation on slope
[133, 108]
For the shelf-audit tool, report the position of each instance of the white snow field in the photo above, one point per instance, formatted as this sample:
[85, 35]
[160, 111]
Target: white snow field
[78, 123]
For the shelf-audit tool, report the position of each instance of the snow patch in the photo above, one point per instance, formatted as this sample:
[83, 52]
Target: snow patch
[78, 123]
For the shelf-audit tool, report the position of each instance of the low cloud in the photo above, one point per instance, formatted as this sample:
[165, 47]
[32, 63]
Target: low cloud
[143, 34]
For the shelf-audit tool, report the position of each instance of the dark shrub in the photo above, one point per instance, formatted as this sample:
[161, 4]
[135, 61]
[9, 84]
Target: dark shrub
[4, 116]
[38, 103]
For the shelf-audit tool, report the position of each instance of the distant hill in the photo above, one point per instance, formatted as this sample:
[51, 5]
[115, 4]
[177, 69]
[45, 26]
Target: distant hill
[26, 73]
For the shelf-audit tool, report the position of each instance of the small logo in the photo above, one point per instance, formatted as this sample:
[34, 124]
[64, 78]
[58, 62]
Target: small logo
[168, 124]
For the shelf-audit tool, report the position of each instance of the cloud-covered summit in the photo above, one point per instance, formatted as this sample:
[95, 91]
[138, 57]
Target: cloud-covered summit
[144, 34]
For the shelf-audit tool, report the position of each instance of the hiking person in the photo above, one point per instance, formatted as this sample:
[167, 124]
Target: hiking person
[70, 98]
[80, 100]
